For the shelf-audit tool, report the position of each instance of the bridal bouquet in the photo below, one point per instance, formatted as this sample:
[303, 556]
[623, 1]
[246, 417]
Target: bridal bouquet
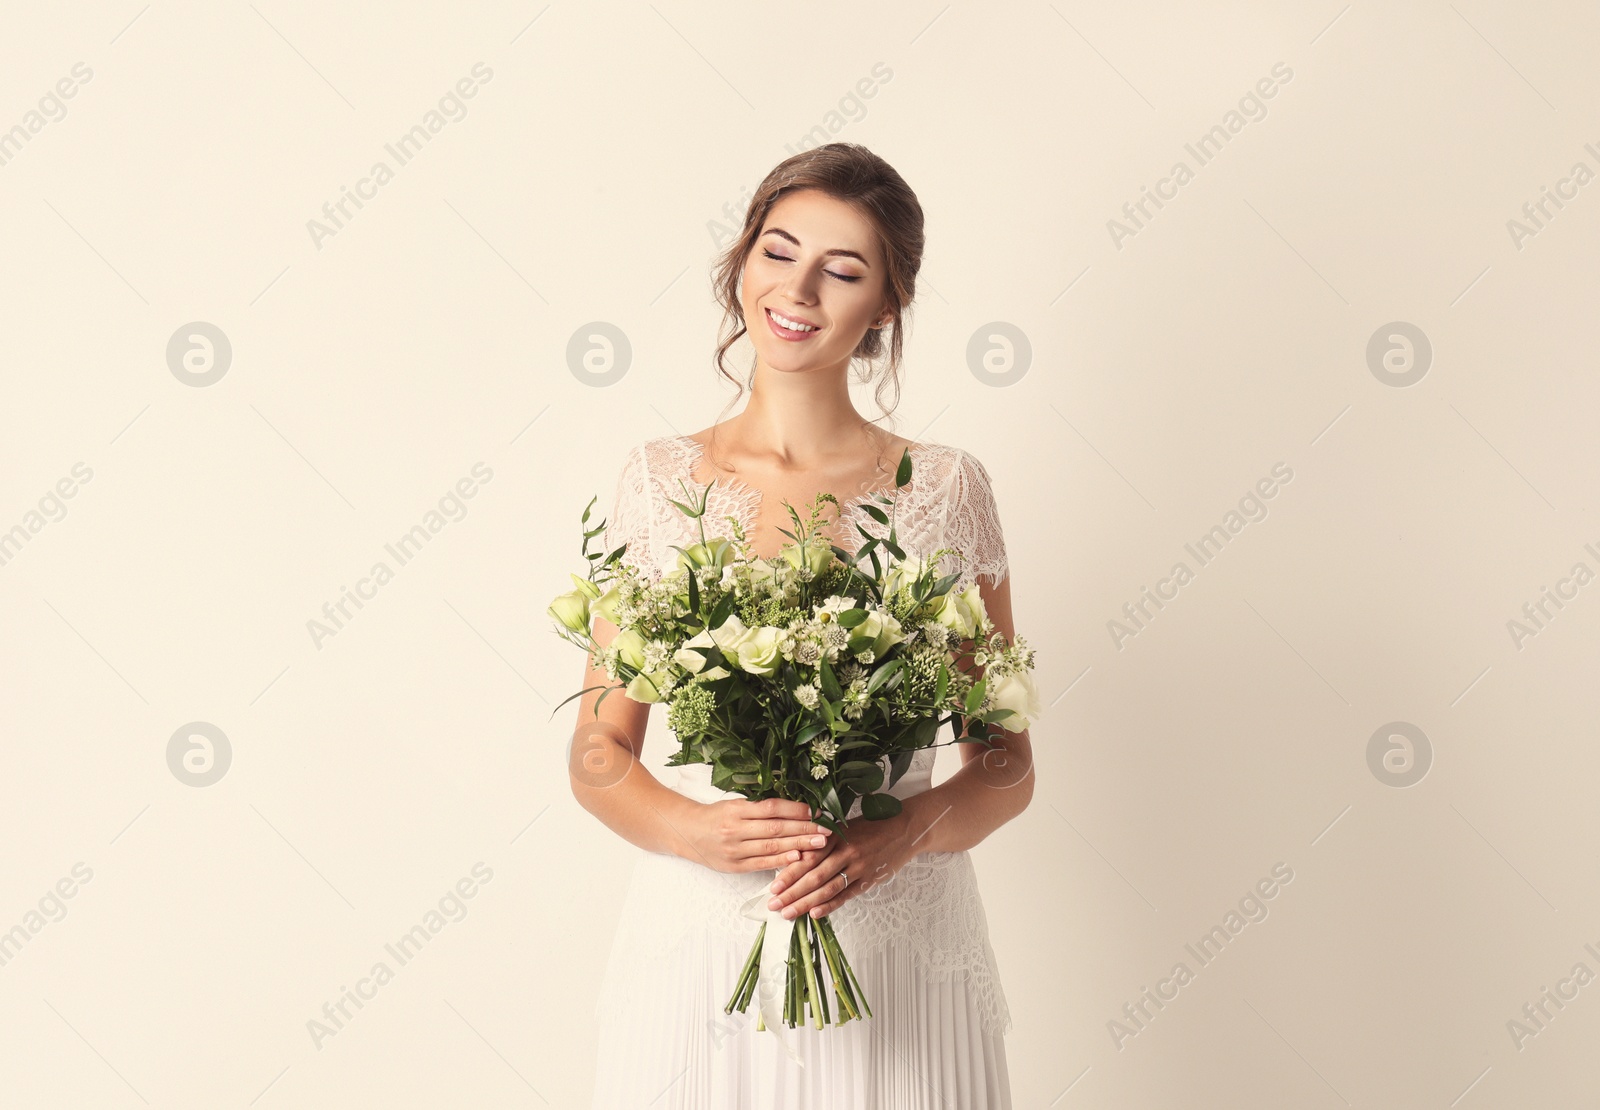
[803, 677]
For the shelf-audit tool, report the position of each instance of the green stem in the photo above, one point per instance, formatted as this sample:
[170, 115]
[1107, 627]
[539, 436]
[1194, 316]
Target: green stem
[741, 992]
[812, 992]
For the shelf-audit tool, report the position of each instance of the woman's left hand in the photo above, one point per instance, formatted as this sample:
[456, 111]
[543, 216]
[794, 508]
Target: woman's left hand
[867, 852]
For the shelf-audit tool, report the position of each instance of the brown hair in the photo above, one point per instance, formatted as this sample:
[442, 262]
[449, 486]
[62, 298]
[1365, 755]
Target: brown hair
[851, 173]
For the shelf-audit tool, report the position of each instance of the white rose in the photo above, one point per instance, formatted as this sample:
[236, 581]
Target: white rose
[571, 610]
[630, 648]
[713, 553]
[963, 613]
[758, 652]
[644, 687]
[729, 635]
[903, 575]
[606, 605]
[818, 555]
[884, 630]
[1017, 693]
[690, 659]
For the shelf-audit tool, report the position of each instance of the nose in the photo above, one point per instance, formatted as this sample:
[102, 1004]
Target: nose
[800, 286]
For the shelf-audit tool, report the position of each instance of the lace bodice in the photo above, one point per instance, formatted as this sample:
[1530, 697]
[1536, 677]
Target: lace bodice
[948, 503]
[931, 907]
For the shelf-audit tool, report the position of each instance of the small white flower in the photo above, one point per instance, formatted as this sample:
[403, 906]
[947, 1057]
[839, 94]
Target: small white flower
[835, 605]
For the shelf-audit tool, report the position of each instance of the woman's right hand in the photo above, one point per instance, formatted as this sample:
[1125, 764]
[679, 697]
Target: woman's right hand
[737, 834]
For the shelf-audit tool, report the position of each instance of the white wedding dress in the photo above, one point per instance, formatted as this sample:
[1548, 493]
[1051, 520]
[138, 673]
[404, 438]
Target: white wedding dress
[919, 943]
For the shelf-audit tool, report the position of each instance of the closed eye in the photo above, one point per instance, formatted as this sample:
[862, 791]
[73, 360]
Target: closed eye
[830, 273]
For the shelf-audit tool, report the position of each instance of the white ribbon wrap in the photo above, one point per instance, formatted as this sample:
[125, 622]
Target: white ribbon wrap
[773, 967]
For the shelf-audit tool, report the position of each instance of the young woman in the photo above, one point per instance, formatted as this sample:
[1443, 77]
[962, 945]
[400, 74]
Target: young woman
[826, 265]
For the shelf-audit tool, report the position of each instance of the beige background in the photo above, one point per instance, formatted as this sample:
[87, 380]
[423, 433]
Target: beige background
[369, 772]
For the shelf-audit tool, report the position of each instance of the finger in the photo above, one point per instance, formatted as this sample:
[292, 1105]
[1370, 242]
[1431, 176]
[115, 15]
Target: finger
[808, 859]
[815, 877]
[787, 847]
[791, 871]
[783, 807]
[817, 897]
[774, 826]
[763, 863]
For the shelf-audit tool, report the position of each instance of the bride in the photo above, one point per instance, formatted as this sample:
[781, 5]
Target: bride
[825, 266]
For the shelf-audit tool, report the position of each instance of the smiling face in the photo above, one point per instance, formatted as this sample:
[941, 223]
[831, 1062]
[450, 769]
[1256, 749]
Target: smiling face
[817, 267]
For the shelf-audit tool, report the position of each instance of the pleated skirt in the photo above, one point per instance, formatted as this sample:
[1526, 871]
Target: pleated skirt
[665, 1043]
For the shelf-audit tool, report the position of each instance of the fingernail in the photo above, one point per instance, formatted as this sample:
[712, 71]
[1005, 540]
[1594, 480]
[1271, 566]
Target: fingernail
[789, 912]
[773, 903]
[818, 841]
[774, 886]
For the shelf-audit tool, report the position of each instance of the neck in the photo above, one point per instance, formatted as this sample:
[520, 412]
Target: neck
[799, 416]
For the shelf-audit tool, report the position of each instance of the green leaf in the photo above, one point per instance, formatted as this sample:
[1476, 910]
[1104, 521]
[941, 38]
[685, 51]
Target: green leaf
[884, 673]
[694, 594]
[903, 475]
[975, 696]
[941, 685]
[580, 694]
[879, 807]
[899, 764]
[860, 776]
[737, 759]
[875, 513]
[851, 617]
[830, 683]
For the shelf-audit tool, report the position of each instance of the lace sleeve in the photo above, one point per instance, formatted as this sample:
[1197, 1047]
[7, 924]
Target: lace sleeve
[629, 521]
[974, 527]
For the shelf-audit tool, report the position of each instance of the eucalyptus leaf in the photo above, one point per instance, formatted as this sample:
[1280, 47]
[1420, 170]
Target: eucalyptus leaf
[975, 697]
[884, 673]
[830, 682]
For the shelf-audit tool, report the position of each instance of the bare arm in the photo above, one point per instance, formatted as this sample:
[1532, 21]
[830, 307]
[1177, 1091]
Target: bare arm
[993, 784]
[610, 782]
[607, 777]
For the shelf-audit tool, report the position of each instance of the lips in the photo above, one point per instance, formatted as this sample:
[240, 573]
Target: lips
[784, 333]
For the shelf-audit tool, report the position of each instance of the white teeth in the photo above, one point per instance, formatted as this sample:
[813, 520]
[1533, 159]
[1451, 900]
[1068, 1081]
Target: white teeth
[792, 325]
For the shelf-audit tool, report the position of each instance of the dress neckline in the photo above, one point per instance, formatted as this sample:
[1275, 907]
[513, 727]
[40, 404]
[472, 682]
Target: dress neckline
[749, 499]
[756, 496]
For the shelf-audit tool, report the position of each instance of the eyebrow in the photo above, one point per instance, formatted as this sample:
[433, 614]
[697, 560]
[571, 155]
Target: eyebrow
[836, 252]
